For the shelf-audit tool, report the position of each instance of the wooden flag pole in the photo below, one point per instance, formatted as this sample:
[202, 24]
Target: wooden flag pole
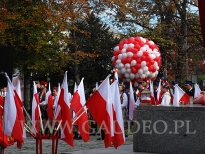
[41, 123]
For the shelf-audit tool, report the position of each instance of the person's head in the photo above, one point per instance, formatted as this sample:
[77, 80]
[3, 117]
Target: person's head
[38, 85]
[140, 86]
[55, 91]
[43, 84]
[121, 87]
[165, 87]
[188, 84]
[155, 85]
[144, 83]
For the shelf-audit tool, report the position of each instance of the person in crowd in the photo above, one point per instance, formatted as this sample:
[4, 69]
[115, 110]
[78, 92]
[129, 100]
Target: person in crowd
[145, 84]
[155, 87]
[172, 86]
[189, 88]
[166, 95]
[38, 86]
[124, 103]
[43, 103]
[5, 140]
[3, 91]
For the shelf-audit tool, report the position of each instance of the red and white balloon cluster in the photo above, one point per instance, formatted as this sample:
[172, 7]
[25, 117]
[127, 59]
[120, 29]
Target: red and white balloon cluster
[136, 59]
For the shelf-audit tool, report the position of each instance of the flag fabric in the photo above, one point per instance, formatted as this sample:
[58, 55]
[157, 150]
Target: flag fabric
[18, 91]
[152, 93]
[50, 103]
[100, 107]
[14, 119]
[35, 111]
[77, 104]
[119, 136]
[137, 103]
[132, 104]
[158, 101]
[180, 96]
[197, 91]
[64, 102]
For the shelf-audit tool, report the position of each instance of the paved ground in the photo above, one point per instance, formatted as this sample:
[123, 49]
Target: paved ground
[92, 146]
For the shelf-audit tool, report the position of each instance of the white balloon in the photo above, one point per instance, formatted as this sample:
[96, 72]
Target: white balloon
[149, 51]
[151, 42]
[116, 48]
[131, 45]
[155, 50]
[132, 76]
[143, 49]
[124, 55]
[128, 70]
[139, 54]
[118, 61]
[157, 68]
[158, 54]
[127, 80]
[121, 65]
[129, 54]
[152, 56]
[143, 63]
[125, 46]
[140, 71]
[142, 76]
[120, 56]
[143, 39]
[123, 50]
[123, 70]
[137, 75]
[147, 74]
[127, 75]
[155, 64]
[133, 62]
[119, 72]
[146, 46]
[145, 69]
[127, 65]
[113, 58]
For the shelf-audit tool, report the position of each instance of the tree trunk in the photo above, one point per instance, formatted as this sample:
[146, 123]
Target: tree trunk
[27, 92]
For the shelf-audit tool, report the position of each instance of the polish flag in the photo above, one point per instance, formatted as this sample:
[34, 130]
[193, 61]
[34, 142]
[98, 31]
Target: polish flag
[14, 119]
[50, 103]
[197, 91]
[180, 96]
[152, 93]
[119, 137]
[77, 104]
[35, 111]
[159, 95]
[64, 102]
[18, 91]
[100, 107]
[132, 104]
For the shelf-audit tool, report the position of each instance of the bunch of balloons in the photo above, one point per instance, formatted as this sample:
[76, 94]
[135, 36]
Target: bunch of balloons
[136, 59]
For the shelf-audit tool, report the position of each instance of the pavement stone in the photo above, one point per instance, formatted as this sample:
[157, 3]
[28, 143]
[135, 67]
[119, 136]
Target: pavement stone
[92, 146]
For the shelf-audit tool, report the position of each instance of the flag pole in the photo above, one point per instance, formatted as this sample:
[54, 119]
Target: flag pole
[75, 119]
[29, 118]
[41, 123]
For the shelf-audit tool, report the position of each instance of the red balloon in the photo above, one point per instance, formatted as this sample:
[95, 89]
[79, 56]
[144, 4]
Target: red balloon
[138, 66]
[135, 57]
[128, 60]
[134, 70]
[137, 46]
[146, 53]
[143, 58]
[123, 60]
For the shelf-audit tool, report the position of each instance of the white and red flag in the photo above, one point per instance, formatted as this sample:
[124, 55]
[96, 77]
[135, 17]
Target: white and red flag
[66, 120]
[180, 96]
[197, 91]
[56, 106]
[50, 103]
[14, 119]
[152, 93]
[119, 137]
[100, 107]
[77, 104]
[132, 104]
[35, 117]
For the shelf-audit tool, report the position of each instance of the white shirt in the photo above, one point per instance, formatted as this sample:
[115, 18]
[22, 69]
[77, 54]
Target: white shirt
[124, 100]
[166, 99]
